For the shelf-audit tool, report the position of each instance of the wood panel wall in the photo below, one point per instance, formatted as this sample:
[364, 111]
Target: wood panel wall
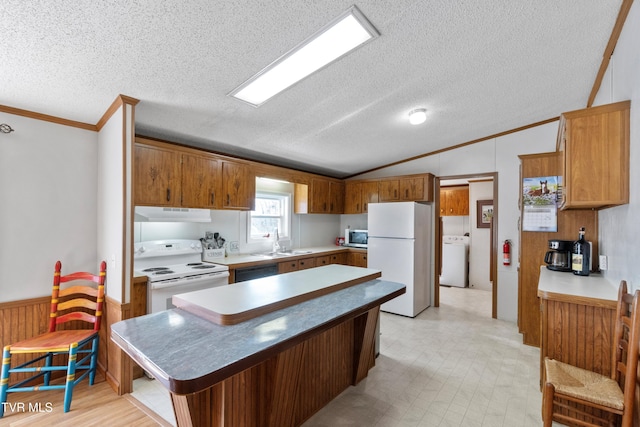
[24, 319]
[534, 245]
[580, 335]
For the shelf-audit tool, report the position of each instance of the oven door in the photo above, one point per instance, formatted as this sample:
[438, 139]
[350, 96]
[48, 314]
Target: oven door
[160, 292]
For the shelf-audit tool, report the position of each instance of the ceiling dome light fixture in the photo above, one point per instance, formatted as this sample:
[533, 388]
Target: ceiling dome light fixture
[417, 116]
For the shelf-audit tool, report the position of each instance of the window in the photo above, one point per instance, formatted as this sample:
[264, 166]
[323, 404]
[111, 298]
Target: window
[272, 213]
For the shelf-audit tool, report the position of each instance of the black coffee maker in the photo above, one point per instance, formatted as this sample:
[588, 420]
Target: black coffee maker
[559, 257]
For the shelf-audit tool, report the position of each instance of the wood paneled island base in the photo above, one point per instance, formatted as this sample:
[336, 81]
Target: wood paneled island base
[275, 370]
[288, 388]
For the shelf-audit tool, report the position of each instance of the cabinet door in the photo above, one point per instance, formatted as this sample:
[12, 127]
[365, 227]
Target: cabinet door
[444, 205]
[389, 190]
[323, 260]
[358, 259]
[454, 201]
[156, 176]
[369, 195]
[458, 203]
[287, 266]
[596, 156]
[412, 189]
[353, 197]
[305, 263]
[238, 185]
[319, 199]
[201, 182]
[339, 258]
[336, 197]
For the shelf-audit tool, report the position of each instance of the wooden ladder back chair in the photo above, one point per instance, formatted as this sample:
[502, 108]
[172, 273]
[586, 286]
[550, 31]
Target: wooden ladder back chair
[72, 308]
[576, 396]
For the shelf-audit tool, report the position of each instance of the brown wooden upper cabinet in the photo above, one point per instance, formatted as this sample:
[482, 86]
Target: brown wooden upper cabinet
[238, 186]
[201, 182]
[166, 175]
[414, 188]
[358, 195]
[594, 148]
[454, 201]
[156, 176]
[320, 196]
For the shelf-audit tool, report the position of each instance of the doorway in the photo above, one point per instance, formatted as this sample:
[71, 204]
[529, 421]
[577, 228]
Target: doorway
[473, 221]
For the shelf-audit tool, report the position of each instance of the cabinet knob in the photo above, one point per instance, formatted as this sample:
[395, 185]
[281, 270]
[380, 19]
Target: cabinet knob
[213, 198]
[168, 194]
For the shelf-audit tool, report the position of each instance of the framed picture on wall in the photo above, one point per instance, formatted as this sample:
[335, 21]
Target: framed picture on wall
[484, 213]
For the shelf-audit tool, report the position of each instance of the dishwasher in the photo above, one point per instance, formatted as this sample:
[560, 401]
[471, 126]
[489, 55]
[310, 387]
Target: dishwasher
[250, 273]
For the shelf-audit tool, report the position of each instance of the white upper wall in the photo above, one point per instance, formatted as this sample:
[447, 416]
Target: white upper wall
[48, 192]
[110, 213]
[619, 225]
[494, 155]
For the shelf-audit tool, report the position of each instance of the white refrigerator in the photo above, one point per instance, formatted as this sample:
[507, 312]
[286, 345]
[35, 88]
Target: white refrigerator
[399, 245]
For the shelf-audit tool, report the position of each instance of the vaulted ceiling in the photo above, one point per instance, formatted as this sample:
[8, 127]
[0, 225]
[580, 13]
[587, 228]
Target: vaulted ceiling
[479, 67]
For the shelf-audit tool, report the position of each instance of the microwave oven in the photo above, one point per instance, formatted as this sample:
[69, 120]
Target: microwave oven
[356, 238]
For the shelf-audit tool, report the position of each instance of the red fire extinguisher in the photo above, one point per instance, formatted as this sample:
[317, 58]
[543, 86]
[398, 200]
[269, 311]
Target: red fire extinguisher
[506, 252]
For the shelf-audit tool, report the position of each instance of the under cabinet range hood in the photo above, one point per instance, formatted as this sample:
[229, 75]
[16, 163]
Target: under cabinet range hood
[165, 214]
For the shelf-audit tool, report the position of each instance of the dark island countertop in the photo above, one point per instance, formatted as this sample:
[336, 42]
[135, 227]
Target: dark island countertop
[187, 353]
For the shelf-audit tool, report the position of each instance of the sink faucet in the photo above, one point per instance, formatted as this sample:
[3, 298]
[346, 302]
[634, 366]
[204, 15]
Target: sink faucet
[276, 243]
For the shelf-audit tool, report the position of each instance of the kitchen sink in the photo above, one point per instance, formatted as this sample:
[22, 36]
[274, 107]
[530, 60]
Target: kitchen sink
[280, 254]
[293, 252]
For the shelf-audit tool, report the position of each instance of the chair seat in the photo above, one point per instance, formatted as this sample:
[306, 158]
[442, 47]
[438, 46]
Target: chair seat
[52, 341]
[582, 384]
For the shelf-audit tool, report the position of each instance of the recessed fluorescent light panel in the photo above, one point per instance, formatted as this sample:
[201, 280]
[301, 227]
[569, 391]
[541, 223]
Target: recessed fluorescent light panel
[345, 33]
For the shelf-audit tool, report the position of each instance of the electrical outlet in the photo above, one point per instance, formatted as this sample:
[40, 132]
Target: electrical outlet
[603, 262]
[233, 246]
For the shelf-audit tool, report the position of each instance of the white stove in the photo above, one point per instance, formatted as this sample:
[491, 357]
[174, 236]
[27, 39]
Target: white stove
[175, 267]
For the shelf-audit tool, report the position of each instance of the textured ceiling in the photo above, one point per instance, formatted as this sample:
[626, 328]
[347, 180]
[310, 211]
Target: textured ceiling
[480, 67]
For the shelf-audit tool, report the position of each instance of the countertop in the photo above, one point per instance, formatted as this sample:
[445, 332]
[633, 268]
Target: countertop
[187, 353]
[231, 304]
[241, 260]
[593, 289]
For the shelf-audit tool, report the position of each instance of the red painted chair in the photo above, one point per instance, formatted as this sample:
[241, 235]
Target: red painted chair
[571, 394]
[81, 303]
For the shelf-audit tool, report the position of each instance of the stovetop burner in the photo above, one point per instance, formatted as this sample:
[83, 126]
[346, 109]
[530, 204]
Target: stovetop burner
[155, 269]
[167, 271]
[193, 264]
[202, 267]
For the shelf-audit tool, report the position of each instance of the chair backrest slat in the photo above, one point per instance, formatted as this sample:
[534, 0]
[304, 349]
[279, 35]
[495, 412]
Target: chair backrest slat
[87, 301]
[76, 315]
[79, 289]
[77, 303]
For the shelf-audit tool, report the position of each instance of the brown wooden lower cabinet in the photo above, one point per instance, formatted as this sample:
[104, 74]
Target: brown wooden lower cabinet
[579, 334]
[358, 259]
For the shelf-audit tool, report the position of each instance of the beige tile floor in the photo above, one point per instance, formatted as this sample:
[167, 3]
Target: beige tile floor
[450, 366]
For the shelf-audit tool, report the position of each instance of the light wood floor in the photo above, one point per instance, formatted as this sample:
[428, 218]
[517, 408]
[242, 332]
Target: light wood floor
[91, 406]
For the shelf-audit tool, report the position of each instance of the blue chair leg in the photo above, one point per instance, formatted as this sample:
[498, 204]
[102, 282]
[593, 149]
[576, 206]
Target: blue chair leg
[48, 363]
[4, 378]
[71, 376]
[94, 359]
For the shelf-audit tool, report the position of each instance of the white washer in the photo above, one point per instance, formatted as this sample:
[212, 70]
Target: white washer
[455, 261]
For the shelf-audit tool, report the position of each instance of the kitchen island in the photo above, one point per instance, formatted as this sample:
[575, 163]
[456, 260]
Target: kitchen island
[276, 369]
